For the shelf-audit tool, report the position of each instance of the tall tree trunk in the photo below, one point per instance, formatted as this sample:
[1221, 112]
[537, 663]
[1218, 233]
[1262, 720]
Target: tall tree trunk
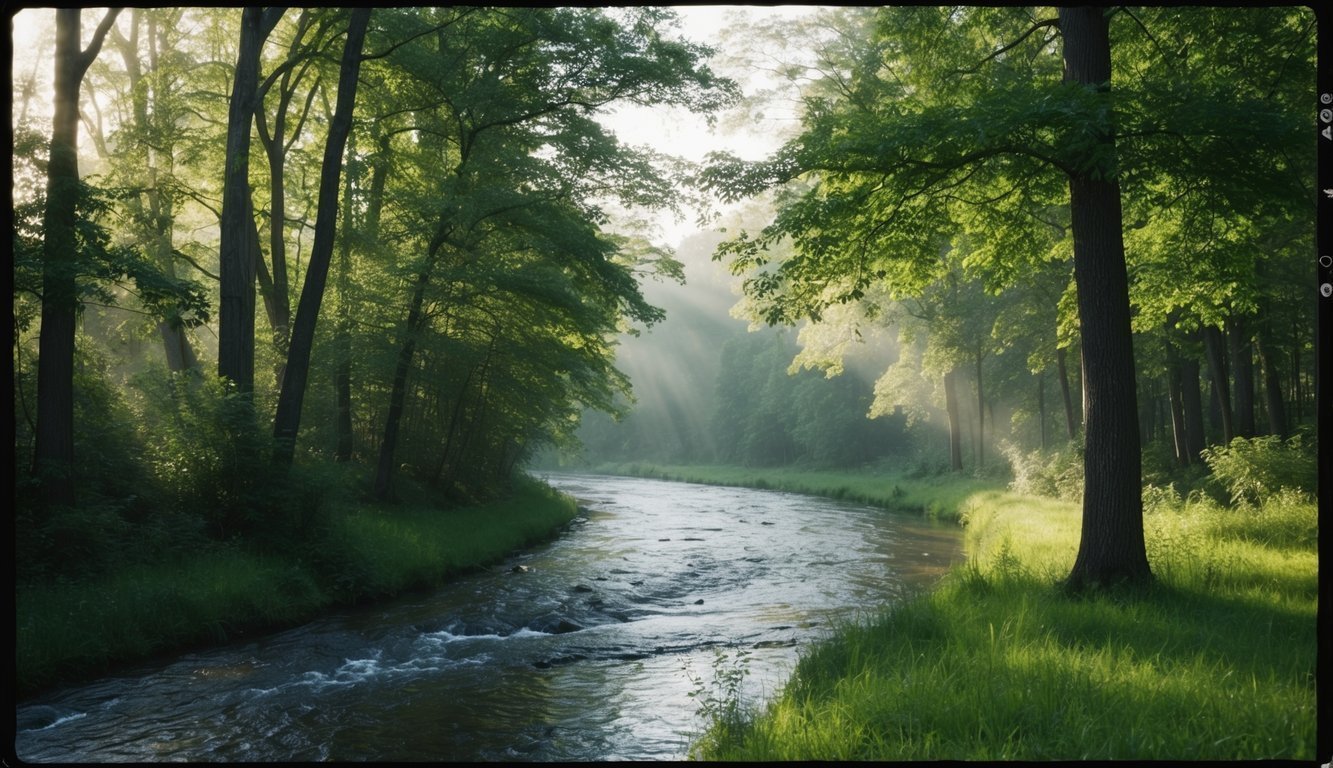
[1217, 371]
[1071, 424]
[342, 333]
[955, 430]
[1242, 366]
[981, 416]
[1192, 405]
[53, 454]
[276, 144]
[454, 421]
[1296, 394]
[1041, 407]
[236, 258]
[1111, 546]
[156, 220]
[1270, 362]
[1176, 398]
[382, 487]
[287, 421]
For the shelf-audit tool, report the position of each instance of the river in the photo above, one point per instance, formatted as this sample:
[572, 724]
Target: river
[585, 648]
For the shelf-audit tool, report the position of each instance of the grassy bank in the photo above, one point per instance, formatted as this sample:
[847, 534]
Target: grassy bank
[938, 496]
[1215, 661]
[71, 630]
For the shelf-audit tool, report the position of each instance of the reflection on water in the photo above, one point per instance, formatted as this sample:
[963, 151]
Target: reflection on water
[573, 651]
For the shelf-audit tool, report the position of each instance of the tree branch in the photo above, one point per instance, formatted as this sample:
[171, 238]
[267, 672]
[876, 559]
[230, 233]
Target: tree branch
[95, 45]
[1014, 44]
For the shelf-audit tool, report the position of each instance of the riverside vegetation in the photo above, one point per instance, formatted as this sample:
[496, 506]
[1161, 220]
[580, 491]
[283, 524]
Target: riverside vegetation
[74, 628]
[1214, 660]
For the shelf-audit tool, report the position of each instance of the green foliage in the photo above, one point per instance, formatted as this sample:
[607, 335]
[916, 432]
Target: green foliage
[104, 269]
[1252, 469]
[718, 701]
[1056, 474]
[213, 592]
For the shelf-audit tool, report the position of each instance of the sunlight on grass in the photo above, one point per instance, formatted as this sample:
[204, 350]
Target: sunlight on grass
[998, 663]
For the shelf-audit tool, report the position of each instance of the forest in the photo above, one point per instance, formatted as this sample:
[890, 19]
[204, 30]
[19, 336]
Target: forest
[278, 269]
[434, 187]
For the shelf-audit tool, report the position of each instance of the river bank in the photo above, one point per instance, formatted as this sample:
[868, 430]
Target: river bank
[76, 630]
[1215, 661]
[598, 645]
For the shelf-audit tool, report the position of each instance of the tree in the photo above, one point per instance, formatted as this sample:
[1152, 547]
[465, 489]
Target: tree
[288, 419]
[516, 147]
[237, 250]
[1111, 545]
[53, 457]
[933, 126]
[147, 151]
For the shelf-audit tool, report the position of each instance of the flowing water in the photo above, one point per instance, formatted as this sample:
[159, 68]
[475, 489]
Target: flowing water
[586, 648]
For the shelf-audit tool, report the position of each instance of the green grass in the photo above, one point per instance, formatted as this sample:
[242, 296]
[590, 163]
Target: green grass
[72, 630]
[1215, 661]
[939, 496]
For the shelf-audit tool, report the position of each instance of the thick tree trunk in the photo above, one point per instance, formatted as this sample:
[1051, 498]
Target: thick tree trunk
[236, 258]
[955, 430]
[53, 454]
[1217, 371]
[1071, 423]
[287, 421]
[1111, 545]
[1242, 366]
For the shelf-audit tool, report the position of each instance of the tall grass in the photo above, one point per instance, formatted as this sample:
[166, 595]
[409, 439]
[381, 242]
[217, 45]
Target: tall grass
[75, 628]
[1215, 661]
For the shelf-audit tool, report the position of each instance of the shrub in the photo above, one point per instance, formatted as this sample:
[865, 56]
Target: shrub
[206, 451]
[1253, 468]
[1058, 474]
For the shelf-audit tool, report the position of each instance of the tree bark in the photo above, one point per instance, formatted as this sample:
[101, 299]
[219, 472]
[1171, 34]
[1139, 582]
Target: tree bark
[53, 453]
[1041, 407]
[287, 421]
[236, 258]
[382, 488]
[955, 431]
[1242, 367]
[1071, 423]
[1270, 362]
[1192, 405]
[1111, 545]
[1217, 370]
[981, 416]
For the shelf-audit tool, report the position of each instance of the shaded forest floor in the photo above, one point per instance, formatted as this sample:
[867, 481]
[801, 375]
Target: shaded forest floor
[1216, 660]
[69, 630]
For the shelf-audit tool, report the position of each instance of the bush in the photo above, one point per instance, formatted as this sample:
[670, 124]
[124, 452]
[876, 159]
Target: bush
[207, 453]
[1058, 474]
[1253, 468]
